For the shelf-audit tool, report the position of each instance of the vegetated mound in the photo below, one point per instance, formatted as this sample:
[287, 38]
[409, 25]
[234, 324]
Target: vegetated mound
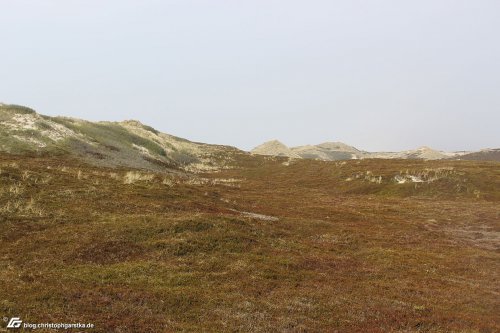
[329, 151]
[483, 155]
[127, 143]
[274, 148]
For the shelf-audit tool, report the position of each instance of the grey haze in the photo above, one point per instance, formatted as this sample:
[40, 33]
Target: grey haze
[379, 75]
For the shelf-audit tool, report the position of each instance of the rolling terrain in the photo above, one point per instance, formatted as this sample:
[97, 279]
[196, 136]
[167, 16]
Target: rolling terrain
[336, 151]
[188, 237]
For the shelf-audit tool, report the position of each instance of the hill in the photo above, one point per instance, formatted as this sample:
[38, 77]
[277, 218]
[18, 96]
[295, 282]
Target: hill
[335, 151]
[274, 148]
[483, 155]
[126, 144]
[329, 151]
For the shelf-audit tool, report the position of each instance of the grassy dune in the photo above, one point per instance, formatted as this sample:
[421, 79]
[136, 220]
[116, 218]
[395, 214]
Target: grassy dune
[266, 245]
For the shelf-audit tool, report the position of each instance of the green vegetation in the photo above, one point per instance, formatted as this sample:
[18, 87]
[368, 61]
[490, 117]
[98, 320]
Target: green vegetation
[112, 135]
[151, 129]
[12, 108]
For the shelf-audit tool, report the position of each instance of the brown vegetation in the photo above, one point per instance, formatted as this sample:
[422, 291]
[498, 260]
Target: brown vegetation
[136, 251]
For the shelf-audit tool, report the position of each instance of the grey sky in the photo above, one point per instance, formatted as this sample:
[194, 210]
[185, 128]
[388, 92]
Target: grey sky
[380, 75]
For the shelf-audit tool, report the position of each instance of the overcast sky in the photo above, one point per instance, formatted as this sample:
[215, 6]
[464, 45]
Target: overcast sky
[379, 75]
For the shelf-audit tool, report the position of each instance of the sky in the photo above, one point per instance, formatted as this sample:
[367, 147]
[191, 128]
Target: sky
[382, 75]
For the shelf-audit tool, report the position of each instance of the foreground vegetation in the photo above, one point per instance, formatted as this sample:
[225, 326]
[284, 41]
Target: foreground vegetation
[266, 245]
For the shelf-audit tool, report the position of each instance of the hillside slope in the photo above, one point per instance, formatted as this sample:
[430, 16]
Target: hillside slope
[124, 144]
[483, 155]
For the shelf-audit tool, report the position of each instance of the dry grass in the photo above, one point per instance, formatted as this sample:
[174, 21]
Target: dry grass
[132, 177]
[133, 251]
